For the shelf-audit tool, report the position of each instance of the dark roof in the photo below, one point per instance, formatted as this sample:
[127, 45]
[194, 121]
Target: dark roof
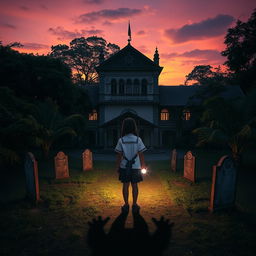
[129, 59]
[175, 95]
[181, 95]
[93, 92]
[172, 95]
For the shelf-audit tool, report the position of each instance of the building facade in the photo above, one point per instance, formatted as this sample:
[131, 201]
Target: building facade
[128, 87]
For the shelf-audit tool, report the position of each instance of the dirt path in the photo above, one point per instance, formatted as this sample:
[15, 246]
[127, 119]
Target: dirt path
[153, 199]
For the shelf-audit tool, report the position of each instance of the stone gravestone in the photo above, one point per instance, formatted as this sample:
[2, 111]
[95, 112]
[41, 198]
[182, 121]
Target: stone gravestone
[31, 172]
[223, 190]
[87, 160]
[174, 160]
[61, 166]
[189, 166]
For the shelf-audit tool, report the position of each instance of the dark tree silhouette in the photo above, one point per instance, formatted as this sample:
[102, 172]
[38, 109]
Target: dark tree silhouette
[83, 55]
[206, 75]
[241, 52]
[34, 78]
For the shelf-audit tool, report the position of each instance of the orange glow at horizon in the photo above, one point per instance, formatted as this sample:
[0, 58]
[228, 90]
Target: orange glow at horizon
[187, 33]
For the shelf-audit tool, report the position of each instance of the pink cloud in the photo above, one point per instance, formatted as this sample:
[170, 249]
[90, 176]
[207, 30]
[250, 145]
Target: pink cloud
[62, 33]
[109, 14]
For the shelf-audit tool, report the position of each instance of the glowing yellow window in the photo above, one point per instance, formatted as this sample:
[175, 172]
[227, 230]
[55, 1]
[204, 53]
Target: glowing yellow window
[186, 114]
[164, 115]
[93, 115]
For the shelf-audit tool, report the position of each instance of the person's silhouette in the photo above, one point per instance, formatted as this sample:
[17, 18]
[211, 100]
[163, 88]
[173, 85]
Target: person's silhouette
[128, 241]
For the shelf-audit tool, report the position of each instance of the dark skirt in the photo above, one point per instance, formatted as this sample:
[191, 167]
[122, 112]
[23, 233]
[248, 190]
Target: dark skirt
[133, 176]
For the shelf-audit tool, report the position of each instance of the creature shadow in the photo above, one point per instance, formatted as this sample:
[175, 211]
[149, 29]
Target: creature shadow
[129, 241]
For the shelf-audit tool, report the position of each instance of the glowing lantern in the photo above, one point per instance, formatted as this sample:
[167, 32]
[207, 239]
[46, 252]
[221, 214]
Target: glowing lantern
[143, 171]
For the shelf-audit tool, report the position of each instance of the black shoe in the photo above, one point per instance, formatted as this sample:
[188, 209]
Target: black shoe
[135, 208]
[125, 208]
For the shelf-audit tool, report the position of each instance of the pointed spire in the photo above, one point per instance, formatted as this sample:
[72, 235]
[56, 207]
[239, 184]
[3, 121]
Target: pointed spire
[156, 57]
[129, 33]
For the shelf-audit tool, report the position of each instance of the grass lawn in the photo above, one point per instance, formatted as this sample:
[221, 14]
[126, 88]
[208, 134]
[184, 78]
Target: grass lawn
[58, 225]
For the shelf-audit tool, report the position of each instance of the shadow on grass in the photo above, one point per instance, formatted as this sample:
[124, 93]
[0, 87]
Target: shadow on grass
[132, 241]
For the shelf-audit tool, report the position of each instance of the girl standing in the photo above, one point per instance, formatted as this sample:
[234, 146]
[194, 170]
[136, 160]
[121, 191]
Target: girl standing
[130, 161]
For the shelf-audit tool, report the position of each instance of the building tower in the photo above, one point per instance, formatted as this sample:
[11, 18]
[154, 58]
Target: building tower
[156, 57]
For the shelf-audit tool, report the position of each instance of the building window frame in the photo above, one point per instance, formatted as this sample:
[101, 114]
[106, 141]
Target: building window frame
[186, 114]
[164, 114]
[113, 86]
[136, 86]
[144, 86]
[121, 86]
[93, 116]
[128, 86]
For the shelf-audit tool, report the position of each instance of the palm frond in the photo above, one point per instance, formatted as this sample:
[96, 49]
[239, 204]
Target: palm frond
[64, 131]
[209, 135]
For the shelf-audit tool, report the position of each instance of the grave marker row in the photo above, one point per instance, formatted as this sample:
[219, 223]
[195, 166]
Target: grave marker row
[224, 176]
[31, 173]
[61, 164]
[223, 191]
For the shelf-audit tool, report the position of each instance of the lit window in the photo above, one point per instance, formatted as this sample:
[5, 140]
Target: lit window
[164, 114]
[186, 114]
[93, 115]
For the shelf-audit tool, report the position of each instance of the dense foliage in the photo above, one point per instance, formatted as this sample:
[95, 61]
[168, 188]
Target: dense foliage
[241, 52]
[207, 75]
[83, 55]
[228, 122]
[38, 103]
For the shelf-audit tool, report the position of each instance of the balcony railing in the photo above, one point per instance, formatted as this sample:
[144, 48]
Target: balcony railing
[127, 98]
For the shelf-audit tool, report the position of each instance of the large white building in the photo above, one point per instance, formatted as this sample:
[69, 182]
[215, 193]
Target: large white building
[128, 87]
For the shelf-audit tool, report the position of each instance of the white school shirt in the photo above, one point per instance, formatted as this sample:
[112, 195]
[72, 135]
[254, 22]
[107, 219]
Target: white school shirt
[129, 145]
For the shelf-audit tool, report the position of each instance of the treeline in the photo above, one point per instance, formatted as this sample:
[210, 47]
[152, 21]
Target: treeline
[240, 66]
[39, 104]
[223, 118]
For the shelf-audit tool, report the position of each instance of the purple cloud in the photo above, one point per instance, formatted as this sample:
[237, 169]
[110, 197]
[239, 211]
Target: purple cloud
[24, 8]
[109, 14]
[44, 7]
[93, 1]
[62, 33]
[141, 33]
[35, 46]
[204, 29]
[8, 25]
[107, 23]
[197, 56]
[206, 54]
[169, 55]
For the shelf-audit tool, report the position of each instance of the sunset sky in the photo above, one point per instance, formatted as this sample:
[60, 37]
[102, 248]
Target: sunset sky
[186, 32]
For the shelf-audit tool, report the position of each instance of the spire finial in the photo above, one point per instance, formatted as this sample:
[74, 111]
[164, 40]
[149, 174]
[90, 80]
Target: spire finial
[156, 56]
[129, 33]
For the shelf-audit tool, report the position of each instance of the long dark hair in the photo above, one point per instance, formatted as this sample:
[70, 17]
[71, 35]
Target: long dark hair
[129, 126]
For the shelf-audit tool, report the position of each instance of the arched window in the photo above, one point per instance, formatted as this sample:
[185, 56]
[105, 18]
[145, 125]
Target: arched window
[129, 86]
[136, 86]
[121, 86]
[164, 116]
[186, 115]
[113, 87]
[93, 116]
[144, 85]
